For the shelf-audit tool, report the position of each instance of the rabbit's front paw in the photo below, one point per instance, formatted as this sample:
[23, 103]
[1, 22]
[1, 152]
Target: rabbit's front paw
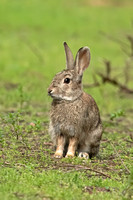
[58, 154]
[83, 155]
[70, 154]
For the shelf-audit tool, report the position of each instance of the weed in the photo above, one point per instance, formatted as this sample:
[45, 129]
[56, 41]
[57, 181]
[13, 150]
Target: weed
[23, 99]
[117, 114]
[13, 119]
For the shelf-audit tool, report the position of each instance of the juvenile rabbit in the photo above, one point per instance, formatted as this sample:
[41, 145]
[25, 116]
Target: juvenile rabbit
[75, 123]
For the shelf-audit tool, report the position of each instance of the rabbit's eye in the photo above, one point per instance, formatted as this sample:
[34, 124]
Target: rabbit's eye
[67, 80]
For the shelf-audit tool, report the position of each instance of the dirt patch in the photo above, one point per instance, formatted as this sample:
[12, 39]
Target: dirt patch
[11, 86]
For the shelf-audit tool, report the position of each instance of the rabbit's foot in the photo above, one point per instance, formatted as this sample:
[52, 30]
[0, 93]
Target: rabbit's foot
[83, 155]
[58, 154]
[70, 155]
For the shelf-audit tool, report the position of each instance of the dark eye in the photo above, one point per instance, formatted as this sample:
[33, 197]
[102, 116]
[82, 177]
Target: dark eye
[67, 80]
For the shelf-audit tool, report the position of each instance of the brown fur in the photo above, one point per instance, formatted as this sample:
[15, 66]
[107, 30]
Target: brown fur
[74, 117]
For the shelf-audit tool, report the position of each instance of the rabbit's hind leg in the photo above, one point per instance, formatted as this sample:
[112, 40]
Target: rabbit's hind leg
[83, 151]
[94, 141]
[94, 149]
[83, 155]
[88, 150]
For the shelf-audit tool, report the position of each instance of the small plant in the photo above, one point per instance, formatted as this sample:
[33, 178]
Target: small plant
[24, 98]
[14, 120]
[21, 96]
[37, 124]
[117, 114]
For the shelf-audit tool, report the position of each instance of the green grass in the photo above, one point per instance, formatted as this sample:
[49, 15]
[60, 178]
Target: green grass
[33, 185]
[31, 53]
[29, 171]
[31, 46]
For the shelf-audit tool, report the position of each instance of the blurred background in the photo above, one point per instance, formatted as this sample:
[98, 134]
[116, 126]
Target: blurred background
[31, 51]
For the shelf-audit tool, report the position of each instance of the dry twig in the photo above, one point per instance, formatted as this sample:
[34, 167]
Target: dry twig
[106, 78]
[80, 167]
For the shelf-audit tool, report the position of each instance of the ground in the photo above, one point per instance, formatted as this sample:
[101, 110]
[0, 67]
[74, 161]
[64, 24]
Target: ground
[29, 170]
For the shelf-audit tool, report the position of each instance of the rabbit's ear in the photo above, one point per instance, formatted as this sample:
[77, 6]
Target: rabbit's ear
[82, 60]
[69, 57]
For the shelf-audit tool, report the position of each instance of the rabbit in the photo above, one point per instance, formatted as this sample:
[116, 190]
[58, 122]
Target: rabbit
[75, 125]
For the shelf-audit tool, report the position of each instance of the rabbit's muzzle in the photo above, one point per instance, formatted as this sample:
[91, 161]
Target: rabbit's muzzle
[50, 91]
[53, 92]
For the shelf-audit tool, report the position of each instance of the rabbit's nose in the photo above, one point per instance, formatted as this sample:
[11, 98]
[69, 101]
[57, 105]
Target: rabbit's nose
[50, 91]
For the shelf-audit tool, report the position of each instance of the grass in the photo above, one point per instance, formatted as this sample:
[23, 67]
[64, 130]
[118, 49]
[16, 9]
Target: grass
[31, 45]
[29, 171]
[32, 33]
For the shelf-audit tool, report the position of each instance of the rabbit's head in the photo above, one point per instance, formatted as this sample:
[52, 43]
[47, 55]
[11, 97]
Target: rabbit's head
[67, 85]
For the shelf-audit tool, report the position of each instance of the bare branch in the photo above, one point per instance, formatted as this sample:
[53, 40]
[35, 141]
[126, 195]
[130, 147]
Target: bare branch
[126, 72]
[108, 67]
[130, 38]
[106, 79]
[96, 84]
